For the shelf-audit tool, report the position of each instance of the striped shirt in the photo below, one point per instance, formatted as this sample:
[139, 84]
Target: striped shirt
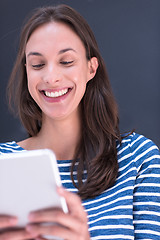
[130, 209]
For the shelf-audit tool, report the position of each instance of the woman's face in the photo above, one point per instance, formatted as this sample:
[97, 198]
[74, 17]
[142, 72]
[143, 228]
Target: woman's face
[57, 69]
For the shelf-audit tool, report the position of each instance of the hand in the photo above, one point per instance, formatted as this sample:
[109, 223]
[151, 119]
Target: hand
[71, 226]
[6, 224]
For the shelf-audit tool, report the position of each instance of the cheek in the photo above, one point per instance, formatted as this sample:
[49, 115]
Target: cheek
[31, 84]
[31, 79]
[78, 75]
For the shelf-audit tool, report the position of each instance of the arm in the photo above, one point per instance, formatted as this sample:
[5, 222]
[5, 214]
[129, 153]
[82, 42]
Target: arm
[146, 198]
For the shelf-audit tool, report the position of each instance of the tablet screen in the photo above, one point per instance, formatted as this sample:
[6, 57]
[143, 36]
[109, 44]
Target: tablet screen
[28, 182]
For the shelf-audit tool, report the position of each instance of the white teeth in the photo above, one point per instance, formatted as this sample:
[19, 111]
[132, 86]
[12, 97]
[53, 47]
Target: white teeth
[56, 94]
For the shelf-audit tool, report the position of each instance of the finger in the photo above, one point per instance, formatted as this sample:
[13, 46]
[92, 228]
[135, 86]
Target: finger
[51, 230]
[7, 221]
[58, 217]
[17, 235]
[74, 203]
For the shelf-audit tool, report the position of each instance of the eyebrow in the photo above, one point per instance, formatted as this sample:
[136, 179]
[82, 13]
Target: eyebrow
[60, 52]
[66, 50]
[34, 54]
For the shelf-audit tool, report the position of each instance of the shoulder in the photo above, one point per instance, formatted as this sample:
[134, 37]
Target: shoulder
[138, 149]
[9, 147]
[134, 141]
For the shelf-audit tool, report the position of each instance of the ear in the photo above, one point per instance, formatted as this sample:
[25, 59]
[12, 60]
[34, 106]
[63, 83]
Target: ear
[92, 67]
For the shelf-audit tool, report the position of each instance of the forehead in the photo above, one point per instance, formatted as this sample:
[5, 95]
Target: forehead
[54, 36]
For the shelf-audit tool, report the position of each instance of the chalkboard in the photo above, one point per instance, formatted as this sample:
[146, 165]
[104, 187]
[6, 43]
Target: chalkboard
[128, 34]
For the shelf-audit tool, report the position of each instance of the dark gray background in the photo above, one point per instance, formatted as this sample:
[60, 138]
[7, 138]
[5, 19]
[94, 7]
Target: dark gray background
[128, 34]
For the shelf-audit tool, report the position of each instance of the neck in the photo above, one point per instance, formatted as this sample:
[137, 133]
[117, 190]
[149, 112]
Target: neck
[61, 136]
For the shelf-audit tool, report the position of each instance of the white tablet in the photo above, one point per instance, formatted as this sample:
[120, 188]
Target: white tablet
[28, 182]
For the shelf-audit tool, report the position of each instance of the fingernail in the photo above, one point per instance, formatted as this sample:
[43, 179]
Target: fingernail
[30, 228]
[31, 231]
[31, 216]
[60, 190]
[13, 220]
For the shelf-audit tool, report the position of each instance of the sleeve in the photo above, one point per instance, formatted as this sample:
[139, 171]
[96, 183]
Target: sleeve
[146, 196]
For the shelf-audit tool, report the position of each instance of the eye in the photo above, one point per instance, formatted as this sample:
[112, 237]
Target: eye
[38, 66]
[66, 62]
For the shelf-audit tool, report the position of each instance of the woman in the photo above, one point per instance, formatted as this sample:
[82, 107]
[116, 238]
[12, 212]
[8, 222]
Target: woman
[64, 99]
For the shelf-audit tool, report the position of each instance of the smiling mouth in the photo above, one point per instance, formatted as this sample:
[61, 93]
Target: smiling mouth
[56, 93]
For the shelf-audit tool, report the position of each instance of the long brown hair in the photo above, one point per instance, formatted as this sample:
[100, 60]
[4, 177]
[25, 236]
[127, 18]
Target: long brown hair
[96, 151]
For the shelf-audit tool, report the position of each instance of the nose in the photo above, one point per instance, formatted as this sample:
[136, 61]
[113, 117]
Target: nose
[51, 75]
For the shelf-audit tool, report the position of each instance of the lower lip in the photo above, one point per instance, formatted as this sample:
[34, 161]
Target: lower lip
[55, 99]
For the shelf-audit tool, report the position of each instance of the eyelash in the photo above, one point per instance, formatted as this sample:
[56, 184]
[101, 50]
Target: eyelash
[39, 66]
[66, 62]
